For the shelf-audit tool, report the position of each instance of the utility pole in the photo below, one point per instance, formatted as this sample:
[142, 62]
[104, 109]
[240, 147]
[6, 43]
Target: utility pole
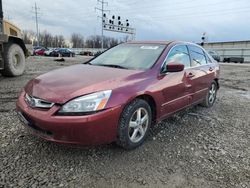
[1, 17]
[103, 12]
[36, 19]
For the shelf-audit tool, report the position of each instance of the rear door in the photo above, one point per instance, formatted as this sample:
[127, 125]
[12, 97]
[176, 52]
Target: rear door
[175, 86]
[67, 52]
[64, 53]
[199, 74]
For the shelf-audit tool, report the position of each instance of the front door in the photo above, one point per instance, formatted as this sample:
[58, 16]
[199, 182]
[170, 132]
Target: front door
[175, 86]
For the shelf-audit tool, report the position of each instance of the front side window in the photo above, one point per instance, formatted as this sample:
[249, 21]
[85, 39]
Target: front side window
[208, 58]
[130, 56]
[179, 54]
[197, 56]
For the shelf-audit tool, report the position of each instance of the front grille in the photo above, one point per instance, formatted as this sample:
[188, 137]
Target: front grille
[37, 103]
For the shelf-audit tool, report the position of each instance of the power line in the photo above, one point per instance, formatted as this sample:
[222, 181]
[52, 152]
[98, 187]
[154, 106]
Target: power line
[102, 11]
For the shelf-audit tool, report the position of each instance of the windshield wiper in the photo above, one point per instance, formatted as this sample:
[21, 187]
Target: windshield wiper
[111, 65]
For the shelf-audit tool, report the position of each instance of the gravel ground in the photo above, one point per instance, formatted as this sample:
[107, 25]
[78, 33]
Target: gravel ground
[198, 147]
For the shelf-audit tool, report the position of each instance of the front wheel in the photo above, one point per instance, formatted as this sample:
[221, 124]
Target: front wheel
[134, 124]
[211, 95]
[14, 60]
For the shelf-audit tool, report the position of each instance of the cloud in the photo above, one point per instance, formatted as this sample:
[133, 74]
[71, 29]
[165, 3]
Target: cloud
[154, 20]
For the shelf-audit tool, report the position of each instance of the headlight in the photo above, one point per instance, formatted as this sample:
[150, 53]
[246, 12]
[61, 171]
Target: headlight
[88, 103]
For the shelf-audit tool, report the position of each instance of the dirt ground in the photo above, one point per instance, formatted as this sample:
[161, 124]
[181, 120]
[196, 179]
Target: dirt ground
[198, 147]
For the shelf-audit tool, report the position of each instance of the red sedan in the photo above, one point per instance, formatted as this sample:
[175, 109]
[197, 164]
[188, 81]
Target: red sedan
[40, 51]
[117, 96]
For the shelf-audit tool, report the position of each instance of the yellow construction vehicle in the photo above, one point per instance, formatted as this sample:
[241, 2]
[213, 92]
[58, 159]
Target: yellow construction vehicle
[12, 48]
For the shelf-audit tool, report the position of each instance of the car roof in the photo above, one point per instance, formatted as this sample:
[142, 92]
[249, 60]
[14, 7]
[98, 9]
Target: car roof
[150, 42]
[162, 42]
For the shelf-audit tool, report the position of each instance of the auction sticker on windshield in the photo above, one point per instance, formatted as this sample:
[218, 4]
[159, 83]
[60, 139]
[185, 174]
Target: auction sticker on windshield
[150, 47]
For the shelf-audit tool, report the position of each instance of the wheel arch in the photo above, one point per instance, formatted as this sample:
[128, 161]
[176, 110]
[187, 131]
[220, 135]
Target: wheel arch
[152, 103]
[19, 42]
[217, 82]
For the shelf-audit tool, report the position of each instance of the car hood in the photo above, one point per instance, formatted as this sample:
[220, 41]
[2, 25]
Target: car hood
[61, 85]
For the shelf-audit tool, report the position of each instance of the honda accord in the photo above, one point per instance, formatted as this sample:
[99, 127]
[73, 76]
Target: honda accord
[119, 95]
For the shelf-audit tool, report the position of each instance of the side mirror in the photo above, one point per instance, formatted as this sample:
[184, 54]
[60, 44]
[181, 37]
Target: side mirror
[174, 67]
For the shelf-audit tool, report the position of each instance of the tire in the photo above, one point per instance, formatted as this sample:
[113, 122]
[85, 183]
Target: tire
[14, 60]
[209, 100]
[129, 118]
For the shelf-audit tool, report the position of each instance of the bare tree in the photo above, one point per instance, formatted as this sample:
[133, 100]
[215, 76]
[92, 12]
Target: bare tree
[58, 41]
[55, 41]
[77, 40]
[28, 35]
[61, 41]
[94, 41]
[46, 39]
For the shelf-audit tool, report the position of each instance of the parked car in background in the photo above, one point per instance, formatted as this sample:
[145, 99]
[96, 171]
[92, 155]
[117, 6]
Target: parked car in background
[215, 55]
[36, 48]
[233, 59]
[86, 53]
[120, 94]
[48, 52]
[40, 51]
[62, 52]
[98, 53]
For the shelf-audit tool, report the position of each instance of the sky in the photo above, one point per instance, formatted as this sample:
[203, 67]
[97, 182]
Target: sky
[221, 20]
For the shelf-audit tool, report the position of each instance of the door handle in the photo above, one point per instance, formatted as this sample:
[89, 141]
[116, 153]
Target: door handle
[190, 75]
[211, 69]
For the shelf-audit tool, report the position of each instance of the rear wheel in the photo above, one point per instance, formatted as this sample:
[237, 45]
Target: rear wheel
[134, 124]
[14, 60]
[211, 95]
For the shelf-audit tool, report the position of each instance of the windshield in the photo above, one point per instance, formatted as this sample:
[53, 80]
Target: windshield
[130, 56]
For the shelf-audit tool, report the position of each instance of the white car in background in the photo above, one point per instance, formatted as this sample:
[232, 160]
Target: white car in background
[48, 52]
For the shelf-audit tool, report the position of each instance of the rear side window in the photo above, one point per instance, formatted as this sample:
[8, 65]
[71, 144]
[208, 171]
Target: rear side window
[179, 54]
[197, 56]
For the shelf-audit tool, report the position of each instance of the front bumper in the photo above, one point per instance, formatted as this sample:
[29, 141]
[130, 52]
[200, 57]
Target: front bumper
[99, 128]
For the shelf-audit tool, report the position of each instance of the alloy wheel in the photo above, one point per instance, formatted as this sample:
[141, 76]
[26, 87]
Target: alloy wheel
[138, 125]
[212, 93]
